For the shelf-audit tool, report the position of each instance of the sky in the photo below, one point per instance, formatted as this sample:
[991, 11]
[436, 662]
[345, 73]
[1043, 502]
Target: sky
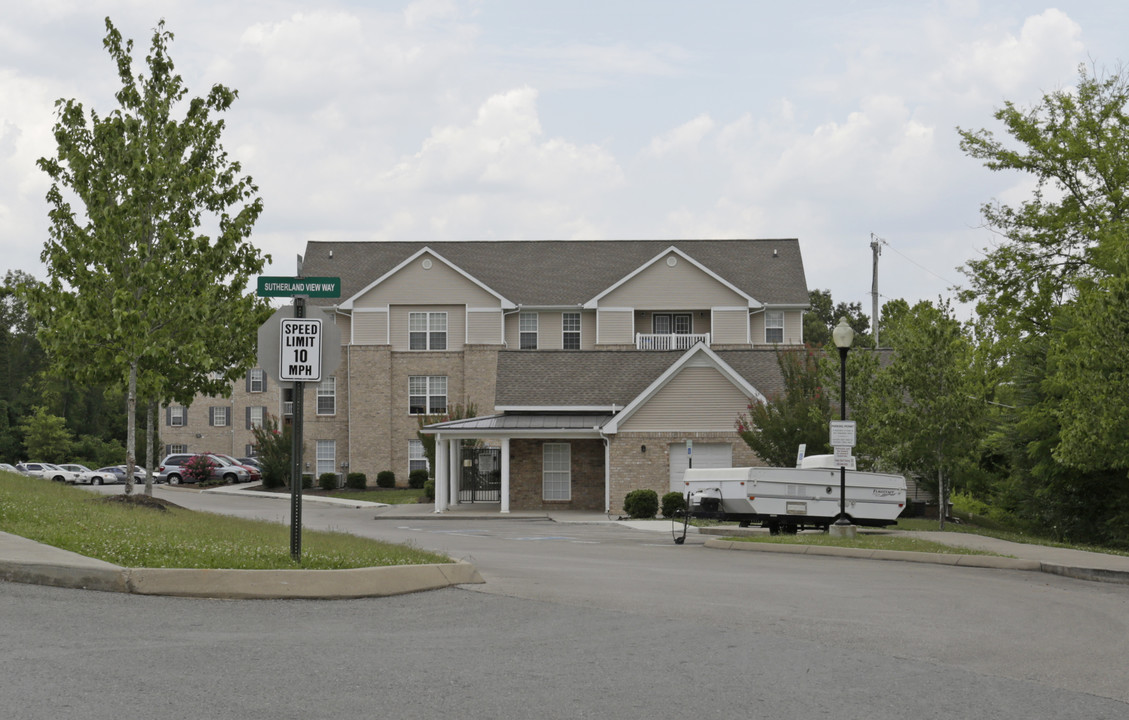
[834, 122]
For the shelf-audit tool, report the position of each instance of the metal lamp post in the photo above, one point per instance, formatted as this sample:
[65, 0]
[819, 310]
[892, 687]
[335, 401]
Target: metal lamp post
[843, 335]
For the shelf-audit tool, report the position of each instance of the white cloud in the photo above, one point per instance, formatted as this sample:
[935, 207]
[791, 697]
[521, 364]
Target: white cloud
[683, 139]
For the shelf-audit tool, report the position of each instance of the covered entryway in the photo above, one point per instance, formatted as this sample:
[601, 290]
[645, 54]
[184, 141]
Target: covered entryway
[481, 477]
[705, 455]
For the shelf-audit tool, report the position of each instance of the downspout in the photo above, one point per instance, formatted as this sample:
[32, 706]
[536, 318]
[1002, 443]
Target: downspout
[607, 472]
[349, 402]
[504, 314]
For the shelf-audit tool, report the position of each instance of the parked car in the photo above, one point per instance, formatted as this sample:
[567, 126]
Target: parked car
[172, 471]
[83, 474]
[251, 462]
[253, 473]
[47, 471]
[116, 474]
[8, 468]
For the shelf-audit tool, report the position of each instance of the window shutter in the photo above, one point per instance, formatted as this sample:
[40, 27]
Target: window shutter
[248, 417]
[211, 417]
[168, 417]
[249, 380]
[264, 380]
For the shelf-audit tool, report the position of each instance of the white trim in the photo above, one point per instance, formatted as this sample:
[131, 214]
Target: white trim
[348, 304]
[483, 310]
[557, 408]
[595, 302]
[690, 359]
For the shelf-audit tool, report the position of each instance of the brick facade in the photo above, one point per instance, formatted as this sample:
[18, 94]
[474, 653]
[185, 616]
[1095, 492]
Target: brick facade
[587, 470]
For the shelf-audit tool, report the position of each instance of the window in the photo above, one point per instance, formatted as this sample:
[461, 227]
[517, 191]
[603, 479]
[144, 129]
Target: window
[175, 448]
[217, 416]
[774, 326]
[327, 396]
[527, 330]
[668, 324]
[256, 380]
[176, 416]
[427, 394]
[326, 457]
[556, 474]
[417, 459]
[427, 331]
[570, 327]
[255, 417]
[250, 451]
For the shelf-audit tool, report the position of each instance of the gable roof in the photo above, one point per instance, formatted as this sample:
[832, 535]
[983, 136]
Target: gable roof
[603, 380]
[568, 272]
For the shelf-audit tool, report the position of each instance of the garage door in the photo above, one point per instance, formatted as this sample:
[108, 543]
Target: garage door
[706, 455]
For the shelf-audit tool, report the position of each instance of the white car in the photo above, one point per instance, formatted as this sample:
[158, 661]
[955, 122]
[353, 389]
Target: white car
[9, 468]
[47, 471]
[83, 474]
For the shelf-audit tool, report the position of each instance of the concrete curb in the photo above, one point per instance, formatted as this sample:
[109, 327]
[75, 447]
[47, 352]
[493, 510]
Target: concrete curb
[982, 561]
[300, 584]
[107, 579]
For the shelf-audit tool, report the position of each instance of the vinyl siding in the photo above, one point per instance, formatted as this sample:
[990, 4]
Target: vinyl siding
[484, 328]
[615, 327]
[440, 285]
[698, 399]
[793, 327]
[730, 327]
[681, 287]
[370, 328]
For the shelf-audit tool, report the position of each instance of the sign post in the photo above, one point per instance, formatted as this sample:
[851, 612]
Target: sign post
[301, 357]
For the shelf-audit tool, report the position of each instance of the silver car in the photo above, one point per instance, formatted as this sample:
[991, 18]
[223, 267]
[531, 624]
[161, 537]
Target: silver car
[47, 471]
[83, 474]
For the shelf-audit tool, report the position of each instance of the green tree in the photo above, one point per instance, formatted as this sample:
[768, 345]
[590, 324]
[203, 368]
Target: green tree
[824, 315]
[46, 437]
[458, 411]
[139, 294]
[1075, 144]
[926, 407]
[800, 414]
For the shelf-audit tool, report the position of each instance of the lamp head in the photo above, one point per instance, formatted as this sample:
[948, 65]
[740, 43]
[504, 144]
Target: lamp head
[843, 334]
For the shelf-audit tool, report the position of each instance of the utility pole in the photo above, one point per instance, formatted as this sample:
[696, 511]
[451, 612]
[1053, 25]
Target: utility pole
[876, 244]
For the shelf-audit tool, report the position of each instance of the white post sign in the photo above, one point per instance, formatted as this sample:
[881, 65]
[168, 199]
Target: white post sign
[300, 350]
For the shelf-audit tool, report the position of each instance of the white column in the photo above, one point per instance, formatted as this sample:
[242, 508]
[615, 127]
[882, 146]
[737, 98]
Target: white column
[607, 475]
[456, 462]
[505, 475]
[441, 473]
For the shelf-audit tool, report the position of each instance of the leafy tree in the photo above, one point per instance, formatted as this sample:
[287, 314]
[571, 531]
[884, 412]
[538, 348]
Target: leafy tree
[139, 295]
[1075, 144]
[458, 411]
[46, 437]
[274, 446]
[823, 316]
[926, 408]
[799, 415]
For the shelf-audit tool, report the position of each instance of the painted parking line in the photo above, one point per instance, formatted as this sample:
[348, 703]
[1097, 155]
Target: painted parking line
[543, 537]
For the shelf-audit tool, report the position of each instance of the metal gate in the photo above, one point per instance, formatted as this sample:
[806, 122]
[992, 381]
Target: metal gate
[481, 478]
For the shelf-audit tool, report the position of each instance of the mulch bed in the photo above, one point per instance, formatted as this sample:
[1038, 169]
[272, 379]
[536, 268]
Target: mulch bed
[139, 500]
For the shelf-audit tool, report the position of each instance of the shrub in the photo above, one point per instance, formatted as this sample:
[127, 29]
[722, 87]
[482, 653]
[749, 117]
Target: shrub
[641, 504]
[307, 481]
[673, 501]
[417, 478]
[327, 481]
[274, 445]
[429, 490]
[356, 481]
[386, 479]
[198, 469]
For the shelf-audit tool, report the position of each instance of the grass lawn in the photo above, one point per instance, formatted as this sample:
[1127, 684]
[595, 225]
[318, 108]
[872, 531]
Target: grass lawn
[976, 526]
[864, 541]
[388, 496]
[162, 535]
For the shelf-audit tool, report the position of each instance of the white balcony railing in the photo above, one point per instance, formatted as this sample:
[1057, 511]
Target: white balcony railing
[288, 408]
[647, 341]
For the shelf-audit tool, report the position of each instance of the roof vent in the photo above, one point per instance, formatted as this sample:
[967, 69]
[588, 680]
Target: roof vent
[774, 253]
[331, 254]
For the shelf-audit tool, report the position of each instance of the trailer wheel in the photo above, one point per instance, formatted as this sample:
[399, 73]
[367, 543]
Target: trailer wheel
[789, 529]
[773, 527]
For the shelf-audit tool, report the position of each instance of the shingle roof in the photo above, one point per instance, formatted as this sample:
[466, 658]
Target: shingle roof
[569, 272]
[603, 378]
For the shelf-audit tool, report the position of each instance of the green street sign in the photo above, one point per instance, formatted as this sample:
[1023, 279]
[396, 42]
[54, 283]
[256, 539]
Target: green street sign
[319, 287]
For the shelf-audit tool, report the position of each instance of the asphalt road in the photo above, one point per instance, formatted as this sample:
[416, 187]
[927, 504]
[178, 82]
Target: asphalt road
[581, 621]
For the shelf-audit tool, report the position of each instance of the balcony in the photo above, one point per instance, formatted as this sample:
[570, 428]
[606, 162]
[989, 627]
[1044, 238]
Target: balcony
[288, 408]
[678, 341]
